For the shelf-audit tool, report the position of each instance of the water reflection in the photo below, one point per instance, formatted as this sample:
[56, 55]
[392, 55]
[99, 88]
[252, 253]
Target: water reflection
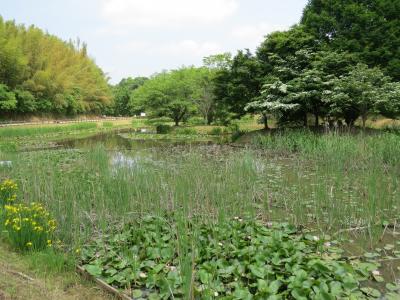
[118, 141]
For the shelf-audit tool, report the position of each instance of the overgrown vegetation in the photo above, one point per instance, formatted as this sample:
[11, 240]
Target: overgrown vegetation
[156, 258]
[42, 74]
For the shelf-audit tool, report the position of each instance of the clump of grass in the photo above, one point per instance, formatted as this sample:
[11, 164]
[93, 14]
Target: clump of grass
[31, 131]
[216, 131]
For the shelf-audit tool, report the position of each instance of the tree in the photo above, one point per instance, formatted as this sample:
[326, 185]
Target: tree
[7, 100]
[204, 97]
[370, 29]
[169, 94]
[360, 93]
[60, 76]
[273, 100]
[239, 84]
[124, 105]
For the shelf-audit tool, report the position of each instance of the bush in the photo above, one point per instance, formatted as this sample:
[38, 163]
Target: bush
[163, 129]
[392, 129]
[29, 227]
[8, 192]
[186, 131]
[216, 131]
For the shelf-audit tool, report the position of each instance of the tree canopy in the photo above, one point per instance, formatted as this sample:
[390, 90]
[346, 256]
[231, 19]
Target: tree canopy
[40, 73]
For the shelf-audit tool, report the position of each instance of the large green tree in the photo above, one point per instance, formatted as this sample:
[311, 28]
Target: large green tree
[239, 84]
[368, 28]
[170, 94]
[48, 75]
[123, 104]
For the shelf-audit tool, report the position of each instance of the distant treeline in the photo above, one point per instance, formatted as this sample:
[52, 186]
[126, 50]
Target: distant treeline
[40, 73]
[339, 64]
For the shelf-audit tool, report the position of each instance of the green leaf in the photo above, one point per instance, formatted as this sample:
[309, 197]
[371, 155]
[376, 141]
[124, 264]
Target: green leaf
[137, 293]
[94, 270]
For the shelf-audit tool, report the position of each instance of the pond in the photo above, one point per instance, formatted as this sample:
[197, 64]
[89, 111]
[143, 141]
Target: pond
[115, 176]
[139, 139]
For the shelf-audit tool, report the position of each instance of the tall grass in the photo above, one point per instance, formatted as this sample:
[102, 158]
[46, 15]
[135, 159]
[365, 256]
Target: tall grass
[32, 131]
[328, 183]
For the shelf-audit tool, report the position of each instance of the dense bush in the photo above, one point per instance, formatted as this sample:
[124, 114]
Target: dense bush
[163, 128]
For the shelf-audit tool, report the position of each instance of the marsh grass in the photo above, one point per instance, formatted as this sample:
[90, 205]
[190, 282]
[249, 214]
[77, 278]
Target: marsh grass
[327, 183]
[41, 130]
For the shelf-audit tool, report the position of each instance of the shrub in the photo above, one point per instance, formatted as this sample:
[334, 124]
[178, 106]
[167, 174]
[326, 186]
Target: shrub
[8, 192]
[29, 227]
[216, 131]
[163, 129]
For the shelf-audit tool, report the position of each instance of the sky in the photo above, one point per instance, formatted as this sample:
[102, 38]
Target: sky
[142, 37]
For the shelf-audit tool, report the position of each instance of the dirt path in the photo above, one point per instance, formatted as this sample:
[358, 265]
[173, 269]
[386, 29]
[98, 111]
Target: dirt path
[16, 282]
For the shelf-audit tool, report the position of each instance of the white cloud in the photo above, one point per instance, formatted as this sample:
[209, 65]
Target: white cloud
[254, 34]
[190, 47]
[167, 12]
[187, 48]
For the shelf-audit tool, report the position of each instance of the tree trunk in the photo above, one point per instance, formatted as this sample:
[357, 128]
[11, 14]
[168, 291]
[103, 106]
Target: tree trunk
[305, 120]
[176, 122]
[265, 121]
[316, 120]
[364, 121]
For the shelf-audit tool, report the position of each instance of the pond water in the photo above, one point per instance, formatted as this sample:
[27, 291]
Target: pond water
[135, 140]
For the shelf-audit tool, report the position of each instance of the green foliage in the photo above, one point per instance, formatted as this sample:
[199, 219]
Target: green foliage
[362, 93]
[7, 99]
[163, 129]
[235, 259]
[374, 34]
[216, 131]
[108, 124]
[44, 74]
[237, 86]
[124, 104]
[8, 192]
[31, 131]
[169, 94]
[29, 227]
[185, 131]
[196, 121]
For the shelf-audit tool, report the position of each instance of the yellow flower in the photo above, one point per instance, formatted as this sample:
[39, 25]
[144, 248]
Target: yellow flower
[77, 251]
[29, 244]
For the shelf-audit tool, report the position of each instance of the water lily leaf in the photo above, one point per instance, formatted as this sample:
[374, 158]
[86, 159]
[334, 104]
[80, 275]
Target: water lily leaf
[389, 247]
[371, 292]
[94, 270]
[392, 287]
[137, 293]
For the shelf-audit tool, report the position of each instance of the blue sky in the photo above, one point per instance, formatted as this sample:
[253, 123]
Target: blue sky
[141, 37]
